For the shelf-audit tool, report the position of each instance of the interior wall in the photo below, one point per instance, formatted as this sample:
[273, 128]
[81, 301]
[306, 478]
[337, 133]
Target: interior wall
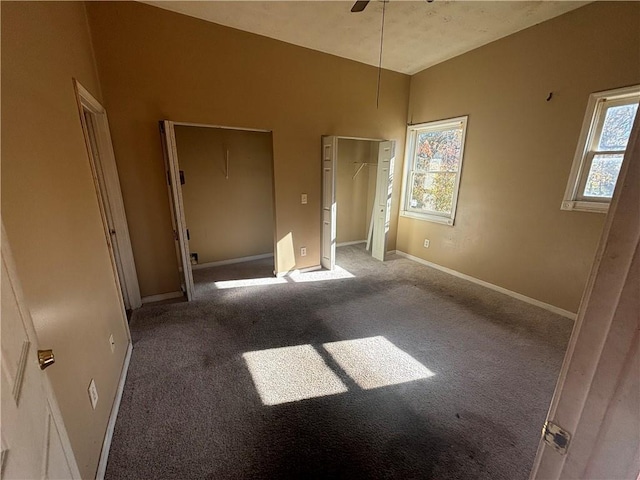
[352, 194]
[51, 214]
[229, 217]
[509, 228]
[155, 64]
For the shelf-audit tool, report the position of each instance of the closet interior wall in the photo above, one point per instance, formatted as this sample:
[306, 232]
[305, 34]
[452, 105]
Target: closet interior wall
[356, 173]
[227, 192]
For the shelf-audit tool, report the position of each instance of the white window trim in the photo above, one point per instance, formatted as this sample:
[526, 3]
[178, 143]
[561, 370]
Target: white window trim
[412, 131]
[572, 199]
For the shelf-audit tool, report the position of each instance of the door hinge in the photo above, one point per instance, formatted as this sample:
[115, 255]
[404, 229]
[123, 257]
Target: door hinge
[556, 437]
[175, 235]
[168, 178]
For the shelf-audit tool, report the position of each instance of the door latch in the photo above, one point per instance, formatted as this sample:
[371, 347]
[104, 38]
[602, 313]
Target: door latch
[46, 358]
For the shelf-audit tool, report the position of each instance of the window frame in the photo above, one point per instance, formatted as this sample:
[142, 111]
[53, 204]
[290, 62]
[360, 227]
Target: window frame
[408, 171]
[592, 125]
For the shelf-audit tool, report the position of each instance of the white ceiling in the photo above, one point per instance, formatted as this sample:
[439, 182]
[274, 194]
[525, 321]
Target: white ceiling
[417, 34]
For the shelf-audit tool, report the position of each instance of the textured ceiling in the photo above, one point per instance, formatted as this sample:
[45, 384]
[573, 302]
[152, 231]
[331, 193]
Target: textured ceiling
[417, 34]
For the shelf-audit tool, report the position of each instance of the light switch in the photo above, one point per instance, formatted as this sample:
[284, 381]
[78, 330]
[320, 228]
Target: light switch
[303, 199]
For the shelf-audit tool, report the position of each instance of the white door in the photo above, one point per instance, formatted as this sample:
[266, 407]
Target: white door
[382, 206]
[329, 156]
[177, 206]
[34, 440]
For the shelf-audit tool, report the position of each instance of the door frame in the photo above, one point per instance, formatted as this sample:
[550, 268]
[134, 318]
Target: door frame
[330, 263]
[31, 351]
[105, 172]
[176, 204]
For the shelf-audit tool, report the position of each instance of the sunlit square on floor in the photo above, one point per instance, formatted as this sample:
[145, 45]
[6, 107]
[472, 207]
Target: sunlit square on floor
[289, 374]
[376, 362]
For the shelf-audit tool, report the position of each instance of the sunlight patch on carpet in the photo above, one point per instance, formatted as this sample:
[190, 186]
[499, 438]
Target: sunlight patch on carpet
[376, 362]
[337, 273]
[290, 374]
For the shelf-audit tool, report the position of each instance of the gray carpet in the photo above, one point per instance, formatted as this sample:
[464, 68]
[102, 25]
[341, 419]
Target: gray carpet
[211, 393]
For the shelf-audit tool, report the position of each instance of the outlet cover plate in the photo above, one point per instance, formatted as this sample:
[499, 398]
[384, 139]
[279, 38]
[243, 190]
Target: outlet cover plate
[303, 252]
[426, 243]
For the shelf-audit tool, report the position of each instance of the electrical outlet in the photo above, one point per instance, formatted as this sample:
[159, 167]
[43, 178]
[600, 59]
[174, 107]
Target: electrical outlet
[112, 342]
[303, 199]
[426, 243]
[93, 393]
[303, 252]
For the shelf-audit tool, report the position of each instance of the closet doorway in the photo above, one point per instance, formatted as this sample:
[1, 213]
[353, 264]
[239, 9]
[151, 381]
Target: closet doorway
[357, 180]
[222, 197]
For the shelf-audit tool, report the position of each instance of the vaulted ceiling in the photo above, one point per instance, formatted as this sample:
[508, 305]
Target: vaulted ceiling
[417, 34]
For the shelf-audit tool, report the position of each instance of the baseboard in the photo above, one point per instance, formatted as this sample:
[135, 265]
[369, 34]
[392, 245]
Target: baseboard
[231, 261]
[106, 444]
[161, 296]
[391, 252]
[519, 296]
[344, 244]
[298, 270]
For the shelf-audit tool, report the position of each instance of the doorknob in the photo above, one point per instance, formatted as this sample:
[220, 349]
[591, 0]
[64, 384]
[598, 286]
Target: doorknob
[46, 358]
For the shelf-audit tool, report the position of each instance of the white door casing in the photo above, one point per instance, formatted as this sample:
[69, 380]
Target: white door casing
[384, 186]
[329, 156]
[177, 206]
[95, 125]
[35, 443]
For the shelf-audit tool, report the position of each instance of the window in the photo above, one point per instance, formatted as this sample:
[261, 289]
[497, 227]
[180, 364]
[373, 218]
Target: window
[432, 170]
[603, 141]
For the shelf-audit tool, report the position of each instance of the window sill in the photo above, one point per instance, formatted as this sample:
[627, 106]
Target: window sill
[427, 218]
[582, 206]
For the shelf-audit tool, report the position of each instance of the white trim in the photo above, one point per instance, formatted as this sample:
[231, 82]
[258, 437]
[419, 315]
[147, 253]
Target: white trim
[297, 271]
[571, 199]
[409, 161]
[519, 296]
[106, 169]
[364, 139]
[231, 261]
[161, 296]
[203, 125]
[392, 252]
[106, 444]
[344, 244]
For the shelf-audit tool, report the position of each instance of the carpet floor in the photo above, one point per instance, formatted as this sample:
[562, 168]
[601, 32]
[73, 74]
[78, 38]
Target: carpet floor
[386, 370]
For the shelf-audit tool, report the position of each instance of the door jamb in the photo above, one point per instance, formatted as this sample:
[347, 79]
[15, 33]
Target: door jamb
[109, 172]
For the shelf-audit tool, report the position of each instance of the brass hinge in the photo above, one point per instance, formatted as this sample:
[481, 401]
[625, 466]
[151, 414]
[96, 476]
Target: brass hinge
[556, 437]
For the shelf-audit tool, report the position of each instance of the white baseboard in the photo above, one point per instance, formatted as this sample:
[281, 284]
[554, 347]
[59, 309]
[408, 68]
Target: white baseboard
[391, 252]
[161, 296]
[106, 444]
[519, 296]
[344, 244]
[298, 270]
[231, 261]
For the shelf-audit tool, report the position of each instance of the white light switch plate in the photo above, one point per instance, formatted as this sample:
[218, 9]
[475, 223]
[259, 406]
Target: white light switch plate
[93, 393]
[303, 199]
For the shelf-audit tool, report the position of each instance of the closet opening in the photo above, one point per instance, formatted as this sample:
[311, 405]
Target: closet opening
[222, 202]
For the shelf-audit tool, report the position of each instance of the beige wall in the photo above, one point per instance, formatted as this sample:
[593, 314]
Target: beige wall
[509, 228]
[227, 218]
[50, 211]
[156, 64]
[353, 198]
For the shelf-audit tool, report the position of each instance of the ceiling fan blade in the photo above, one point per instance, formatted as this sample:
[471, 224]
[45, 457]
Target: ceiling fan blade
[359, 6]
